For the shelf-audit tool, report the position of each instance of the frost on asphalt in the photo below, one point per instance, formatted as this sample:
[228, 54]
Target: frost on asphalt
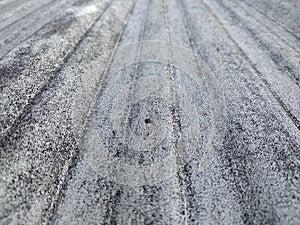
[149, 112]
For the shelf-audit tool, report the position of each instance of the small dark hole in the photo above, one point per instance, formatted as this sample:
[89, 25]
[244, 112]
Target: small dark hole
[147, 121]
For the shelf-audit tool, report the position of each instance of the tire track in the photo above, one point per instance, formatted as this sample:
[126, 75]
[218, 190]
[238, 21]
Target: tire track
[58, 118]
[274, 20]
[253, 123]
[22, 30]
[198, 191]
[16, 16]
[132, 155]
[285, 59]
[5, 7]
[272, 26]
[180, 115]
[176, 117]
[272, 78]
[29, 67]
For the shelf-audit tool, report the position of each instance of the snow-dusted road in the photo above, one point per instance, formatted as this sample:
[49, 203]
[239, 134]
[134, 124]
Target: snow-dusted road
[149, 112]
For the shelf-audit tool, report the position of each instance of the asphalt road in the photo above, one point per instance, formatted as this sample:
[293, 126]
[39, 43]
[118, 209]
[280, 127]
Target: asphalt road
[149, 112]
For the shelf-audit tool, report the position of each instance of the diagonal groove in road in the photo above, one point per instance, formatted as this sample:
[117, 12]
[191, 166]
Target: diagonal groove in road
[22, 74]
[273, 89]
[150, 112]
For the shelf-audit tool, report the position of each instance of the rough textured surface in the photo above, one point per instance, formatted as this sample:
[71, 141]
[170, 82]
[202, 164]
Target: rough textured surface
[149, 112]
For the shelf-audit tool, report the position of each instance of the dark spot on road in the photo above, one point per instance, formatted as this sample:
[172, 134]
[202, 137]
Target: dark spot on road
[148, 120]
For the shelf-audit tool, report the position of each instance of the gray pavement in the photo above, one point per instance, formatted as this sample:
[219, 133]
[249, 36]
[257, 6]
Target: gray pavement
[149, 112]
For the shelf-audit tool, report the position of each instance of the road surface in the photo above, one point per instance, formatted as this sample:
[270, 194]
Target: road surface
[149, 112]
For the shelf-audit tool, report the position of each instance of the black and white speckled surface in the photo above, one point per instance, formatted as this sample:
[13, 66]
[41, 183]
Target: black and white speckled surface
[149, 112]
